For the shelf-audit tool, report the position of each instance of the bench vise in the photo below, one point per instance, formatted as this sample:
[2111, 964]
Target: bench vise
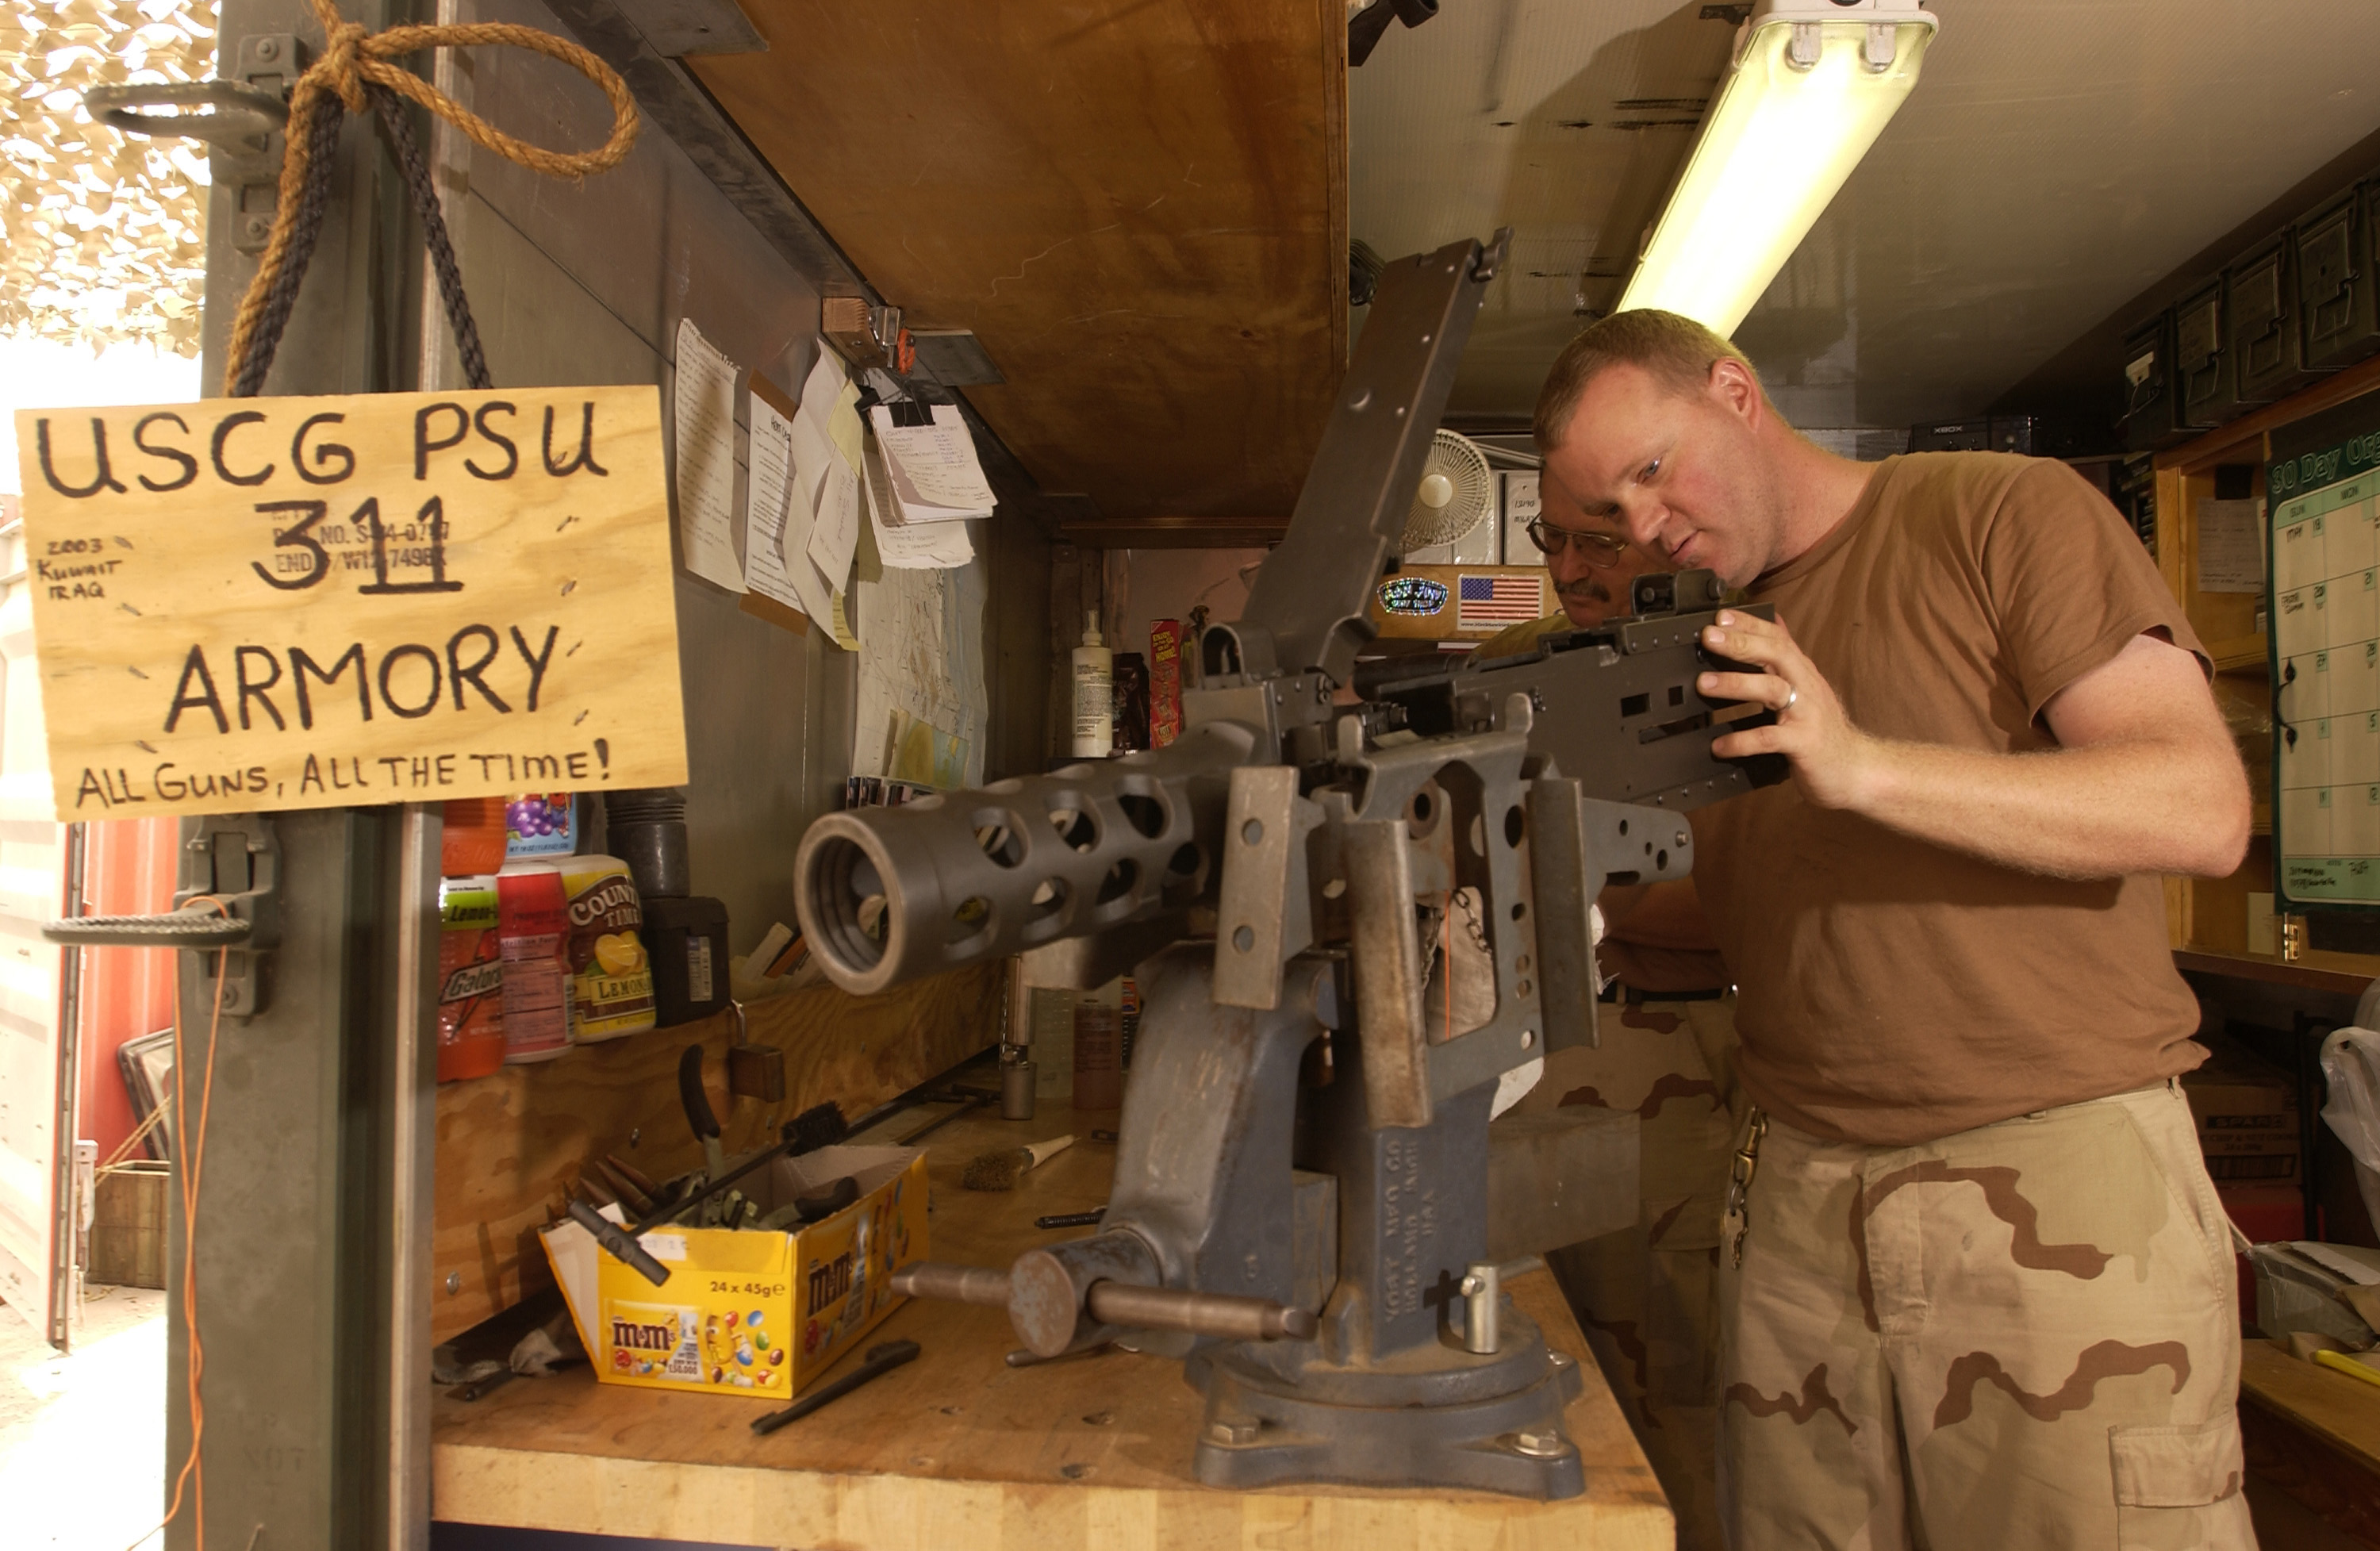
[1354, 919]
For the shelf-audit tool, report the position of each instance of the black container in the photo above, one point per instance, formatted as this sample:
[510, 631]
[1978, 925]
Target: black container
[2203, 369]
[686, 941]
[2267, 350]
[1131, 674]
[1951, 436]
[2339, 297]
[646, 829]
[2151, 413]
[2018, 433]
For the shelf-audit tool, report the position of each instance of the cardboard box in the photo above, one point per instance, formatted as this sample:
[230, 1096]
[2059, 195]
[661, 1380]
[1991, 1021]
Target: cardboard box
[2297, 1288]
[128, 1225]
[2247, 1117]
[744, 1312]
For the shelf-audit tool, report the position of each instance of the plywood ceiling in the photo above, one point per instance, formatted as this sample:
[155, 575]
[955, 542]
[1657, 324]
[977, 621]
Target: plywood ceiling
[1142, 210]
[2058, 157]
[1563, 121]
[1139, 208]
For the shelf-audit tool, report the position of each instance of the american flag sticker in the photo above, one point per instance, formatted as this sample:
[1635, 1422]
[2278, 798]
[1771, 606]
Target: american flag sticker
[1493, 602]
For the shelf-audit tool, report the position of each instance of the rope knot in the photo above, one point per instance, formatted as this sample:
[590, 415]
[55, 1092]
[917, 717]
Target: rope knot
[340, 68]
[355, 68]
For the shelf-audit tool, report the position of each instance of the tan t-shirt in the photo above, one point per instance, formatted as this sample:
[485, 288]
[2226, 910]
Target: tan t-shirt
[1893, 991]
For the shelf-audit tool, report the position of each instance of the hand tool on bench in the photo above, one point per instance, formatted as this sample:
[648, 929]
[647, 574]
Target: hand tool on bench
[819, 1126]
[882, 1359]
[621, 1242]
[705, 1124]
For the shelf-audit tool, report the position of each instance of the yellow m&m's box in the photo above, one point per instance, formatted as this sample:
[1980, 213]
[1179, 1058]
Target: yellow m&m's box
[746, 1312]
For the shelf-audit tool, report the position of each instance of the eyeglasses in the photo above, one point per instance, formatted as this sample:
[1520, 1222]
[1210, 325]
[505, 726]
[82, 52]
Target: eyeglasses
[1599, 548]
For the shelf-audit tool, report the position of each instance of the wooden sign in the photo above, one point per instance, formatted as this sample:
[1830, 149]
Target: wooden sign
[266, 604]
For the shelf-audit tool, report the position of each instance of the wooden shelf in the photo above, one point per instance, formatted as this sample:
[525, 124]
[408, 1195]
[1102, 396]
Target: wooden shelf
[2242, 651]
[2224, 443]
[2206, 918]
[2343, 973]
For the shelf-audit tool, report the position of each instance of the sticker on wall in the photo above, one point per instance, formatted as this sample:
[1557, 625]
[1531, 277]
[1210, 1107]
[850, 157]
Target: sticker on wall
[1417, 595]
[1494, 601]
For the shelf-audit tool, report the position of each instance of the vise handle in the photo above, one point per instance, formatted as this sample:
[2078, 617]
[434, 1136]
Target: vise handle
[1222, 1315]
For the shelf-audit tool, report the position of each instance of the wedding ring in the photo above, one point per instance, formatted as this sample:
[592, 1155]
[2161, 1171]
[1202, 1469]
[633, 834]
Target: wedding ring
[1791, 694]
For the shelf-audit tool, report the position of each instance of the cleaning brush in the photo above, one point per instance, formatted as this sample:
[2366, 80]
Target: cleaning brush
[1001, 1168]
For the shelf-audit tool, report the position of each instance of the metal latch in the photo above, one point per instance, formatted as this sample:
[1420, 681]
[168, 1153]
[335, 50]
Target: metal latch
[227, 907]
[248, 127]
[243, 120]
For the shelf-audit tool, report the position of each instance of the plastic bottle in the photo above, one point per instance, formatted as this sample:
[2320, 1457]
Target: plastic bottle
[541, 824]
[470, 977]
[533, 922]
[610, 979]
[1099, 1052]
[471, 842]
[1094, 694]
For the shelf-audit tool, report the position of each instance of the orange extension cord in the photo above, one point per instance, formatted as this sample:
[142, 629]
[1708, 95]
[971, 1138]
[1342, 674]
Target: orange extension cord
[194, 1146]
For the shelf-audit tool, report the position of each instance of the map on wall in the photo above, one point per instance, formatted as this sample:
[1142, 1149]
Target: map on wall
[2325, 614]
[922, 707]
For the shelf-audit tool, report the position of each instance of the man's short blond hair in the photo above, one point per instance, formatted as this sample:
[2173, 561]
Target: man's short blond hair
[1676, 350]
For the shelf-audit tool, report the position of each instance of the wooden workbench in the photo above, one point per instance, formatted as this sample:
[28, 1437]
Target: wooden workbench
[959, 1452]
[2315, 1434]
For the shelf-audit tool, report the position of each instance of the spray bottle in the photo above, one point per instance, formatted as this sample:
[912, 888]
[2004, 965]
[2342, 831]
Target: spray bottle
[1094, 694]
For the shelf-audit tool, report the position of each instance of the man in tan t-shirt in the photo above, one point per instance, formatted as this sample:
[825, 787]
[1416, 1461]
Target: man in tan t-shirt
[1976, 1289]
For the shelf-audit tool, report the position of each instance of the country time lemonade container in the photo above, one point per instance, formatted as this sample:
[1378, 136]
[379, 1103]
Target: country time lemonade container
[745, 1311]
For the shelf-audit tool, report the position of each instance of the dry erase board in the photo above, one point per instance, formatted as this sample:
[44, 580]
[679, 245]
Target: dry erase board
[2324, 614]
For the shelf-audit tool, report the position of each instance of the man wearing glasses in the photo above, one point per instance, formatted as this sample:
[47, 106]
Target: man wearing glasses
[1646, 1295]
[1591, 562]
[1975, 1287]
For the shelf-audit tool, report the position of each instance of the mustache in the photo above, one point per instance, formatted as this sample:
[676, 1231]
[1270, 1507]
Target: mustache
[1586, 589]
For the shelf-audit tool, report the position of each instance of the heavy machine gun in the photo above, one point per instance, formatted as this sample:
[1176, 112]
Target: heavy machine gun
[1352, 924]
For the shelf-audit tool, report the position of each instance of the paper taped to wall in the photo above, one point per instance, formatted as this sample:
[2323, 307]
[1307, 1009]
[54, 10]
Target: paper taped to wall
[705, 429]
[772, 570]
[934, 473]
[926, 546]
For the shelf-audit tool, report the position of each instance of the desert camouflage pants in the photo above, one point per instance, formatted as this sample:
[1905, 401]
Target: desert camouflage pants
[1646, 1296]
[2023, 1334]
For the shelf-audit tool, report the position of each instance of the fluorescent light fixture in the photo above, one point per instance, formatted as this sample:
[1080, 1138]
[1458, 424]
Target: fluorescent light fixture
[1813, 83]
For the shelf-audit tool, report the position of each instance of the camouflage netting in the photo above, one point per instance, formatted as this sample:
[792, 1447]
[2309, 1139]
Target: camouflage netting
[103, 236]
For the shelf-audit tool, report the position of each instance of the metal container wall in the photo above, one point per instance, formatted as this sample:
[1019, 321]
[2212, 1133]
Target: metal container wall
[127, 992]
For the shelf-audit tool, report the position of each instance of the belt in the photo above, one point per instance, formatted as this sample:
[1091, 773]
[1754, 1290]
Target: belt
[1630, 996]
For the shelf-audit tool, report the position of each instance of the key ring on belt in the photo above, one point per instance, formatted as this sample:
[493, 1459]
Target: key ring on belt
[1739, 1180]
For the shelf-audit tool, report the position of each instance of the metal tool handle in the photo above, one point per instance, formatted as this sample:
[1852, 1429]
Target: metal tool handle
[1225, 1314]
[881, 1360]
[956, 1284]
[689, 1092]
[624, 1249]
[243, 115]
[175, 928]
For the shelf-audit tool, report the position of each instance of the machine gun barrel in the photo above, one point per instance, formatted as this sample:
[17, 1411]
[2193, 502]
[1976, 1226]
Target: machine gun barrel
[887, 895]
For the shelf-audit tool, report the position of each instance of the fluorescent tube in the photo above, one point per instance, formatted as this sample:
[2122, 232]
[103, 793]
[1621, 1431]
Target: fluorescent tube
[1813, 83]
